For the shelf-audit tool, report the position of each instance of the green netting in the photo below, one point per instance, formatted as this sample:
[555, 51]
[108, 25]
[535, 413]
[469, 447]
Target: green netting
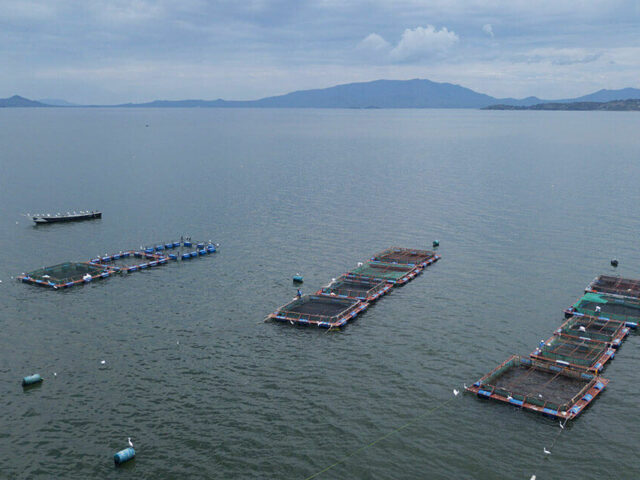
[575, 352]
[593, 297]
[65, 272]
[382, 270]
[595, 328]
[614, 308]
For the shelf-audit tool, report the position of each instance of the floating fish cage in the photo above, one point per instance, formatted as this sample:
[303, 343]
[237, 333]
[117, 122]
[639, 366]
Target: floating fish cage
[395, 273]
[130, 261]
[406, 256]
[578, 354]
[319, 310]
[540, 387]
[361, 288]
[70, 273]
[66, 274]
[605, 306]
[595, 329]
[624, 287]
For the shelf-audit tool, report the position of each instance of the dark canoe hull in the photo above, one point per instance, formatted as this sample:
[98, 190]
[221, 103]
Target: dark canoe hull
[67, 218]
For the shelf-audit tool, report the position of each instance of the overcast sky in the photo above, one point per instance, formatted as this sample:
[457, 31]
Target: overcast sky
[114, 51]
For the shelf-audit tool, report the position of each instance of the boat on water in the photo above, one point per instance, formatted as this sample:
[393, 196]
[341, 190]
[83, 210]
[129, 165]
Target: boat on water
[68, 217]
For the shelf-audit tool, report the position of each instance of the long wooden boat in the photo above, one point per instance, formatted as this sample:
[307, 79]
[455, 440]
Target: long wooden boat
[69, 217]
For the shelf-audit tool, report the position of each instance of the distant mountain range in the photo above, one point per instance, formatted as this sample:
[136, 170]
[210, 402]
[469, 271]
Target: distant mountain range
[417, 93]
[614, 105]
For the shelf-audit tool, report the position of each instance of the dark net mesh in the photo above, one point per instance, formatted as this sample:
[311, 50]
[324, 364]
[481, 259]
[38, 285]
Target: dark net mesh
[404, 255]
[539, 385]
[65, 272]
[318, 306]
[616, 285]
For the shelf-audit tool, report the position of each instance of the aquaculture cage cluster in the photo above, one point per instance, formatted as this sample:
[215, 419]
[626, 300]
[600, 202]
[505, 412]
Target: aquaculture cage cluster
[562, 375]
[65, 274]
[625, 310]
[69, 274]
[615, 286]
[352, 293]
[596, 329]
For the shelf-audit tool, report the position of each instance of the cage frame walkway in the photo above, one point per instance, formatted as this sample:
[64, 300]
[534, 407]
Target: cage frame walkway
[595, 384]
[615, 286]
[380, 271]
[602, 353]
[619, 330]
[423, 258]
[580, 307]
[102, 266]
[377, 290]
[353, 308]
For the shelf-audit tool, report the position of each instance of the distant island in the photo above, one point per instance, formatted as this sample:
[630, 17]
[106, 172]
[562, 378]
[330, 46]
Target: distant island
[416, 93]
[614, 105]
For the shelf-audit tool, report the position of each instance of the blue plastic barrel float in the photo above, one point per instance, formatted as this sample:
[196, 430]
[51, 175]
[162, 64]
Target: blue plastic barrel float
[148, 250]
[124, 455]
[168, 245]
[298, 278]
[173, 256]
[202, 252]
[187, 243]
[186, 256]
[194, 254]
[211, 248]
[31, 380]
[176, 244]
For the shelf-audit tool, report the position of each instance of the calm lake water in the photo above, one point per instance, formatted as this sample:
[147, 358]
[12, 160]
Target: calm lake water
[528, 206]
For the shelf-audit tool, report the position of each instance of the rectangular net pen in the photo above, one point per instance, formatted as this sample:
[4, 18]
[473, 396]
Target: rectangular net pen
[623, 287]
[595, 329]
[540, 387]
[319, 310]
[579, 354]
[361, 288]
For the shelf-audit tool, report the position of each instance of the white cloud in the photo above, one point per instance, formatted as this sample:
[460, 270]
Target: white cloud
[423, 42]
[488, 29]
[561, 56]
[415, 44]
[374, 43]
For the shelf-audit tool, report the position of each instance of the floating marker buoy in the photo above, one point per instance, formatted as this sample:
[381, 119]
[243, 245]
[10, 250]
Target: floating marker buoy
[614, 262]
[298, 278]
[124, 455]
[436, 243]
[31, 380]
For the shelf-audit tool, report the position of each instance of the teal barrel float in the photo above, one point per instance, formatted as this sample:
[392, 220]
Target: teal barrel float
[298, 278]
[124, 455]
[436, 243]
[31, 380]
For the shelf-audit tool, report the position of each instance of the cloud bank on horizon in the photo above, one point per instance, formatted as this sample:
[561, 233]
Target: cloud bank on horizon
[140, 50]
